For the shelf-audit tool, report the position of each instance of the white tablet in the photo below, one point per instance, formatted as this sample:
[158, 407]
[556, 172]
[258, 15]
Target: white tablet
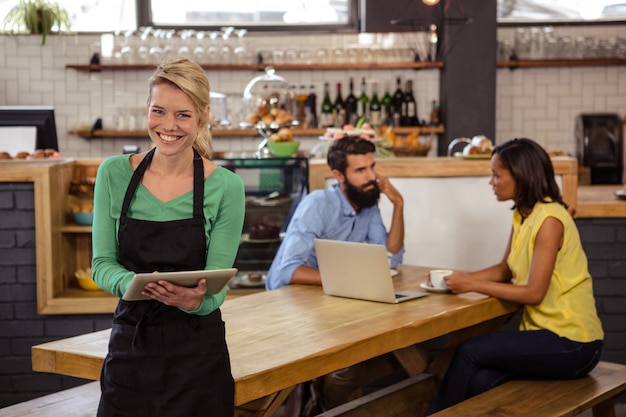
[216, 280]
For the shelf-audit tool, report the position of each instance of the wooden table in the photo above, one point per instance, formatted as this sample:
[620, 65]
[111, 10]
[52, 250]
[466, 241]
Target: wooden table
[597, 201]
[278, 339]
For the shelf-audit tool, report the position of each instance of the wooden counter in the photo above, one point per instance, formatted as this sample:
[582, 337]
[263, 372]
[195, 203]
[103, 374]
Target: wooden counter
[599, 201]
[565, 167]
[451, 216]
[63, 247]
[57, 289]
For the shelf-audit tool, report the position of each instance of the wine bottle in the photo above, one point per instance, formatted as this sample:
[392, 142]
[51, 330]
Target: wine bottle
[434, 114]
[311, 107]
[375, 108]
[364, 100]
[301, 98]
[432, 42]
[352, 105]
[397, 101]
[409, 108]
[326, 111]
[385, 116]
[339, 109]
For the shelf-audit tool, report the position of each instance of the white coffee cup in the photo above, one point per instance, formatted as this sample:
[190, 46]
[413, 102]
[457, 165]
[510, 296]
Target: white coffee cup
[437, 278]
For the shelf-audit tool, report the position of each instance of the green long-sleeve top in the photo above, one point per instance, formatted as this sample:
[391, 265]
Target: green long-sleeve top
[224, 208]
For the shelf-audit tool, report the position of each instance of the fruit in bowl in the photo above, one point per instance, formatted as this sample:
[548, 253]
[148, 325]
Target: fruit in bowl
[283, 149]
[83, 276]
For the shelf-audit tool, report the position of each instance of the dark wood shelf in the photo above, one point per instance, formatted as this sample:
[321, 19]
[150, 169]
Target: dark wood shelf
[522, 63]
[539, 63]
[98, 134]
[261, 67]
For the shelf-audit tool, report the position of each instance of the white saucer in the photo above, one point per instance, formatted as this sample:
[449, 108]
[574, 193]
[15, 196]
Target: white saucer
[244, 281]
[620, 194]
[432, 289]
[394, 272]
[245, 237]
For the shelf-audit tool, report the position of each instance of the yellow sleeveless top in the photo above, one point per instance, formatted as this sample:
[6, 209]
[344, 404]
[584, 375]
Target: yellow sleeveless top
[569, 308]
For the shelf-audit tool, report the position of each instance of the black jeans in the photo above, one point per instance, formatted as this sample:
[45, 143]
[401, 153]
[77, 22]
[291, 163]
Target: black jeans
[485, 362]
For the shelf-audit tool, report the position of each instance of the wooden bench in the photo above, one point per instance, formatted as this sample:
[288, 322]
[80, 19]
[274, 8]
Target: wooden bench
[80, 401]
[408, 398]
[557, 398]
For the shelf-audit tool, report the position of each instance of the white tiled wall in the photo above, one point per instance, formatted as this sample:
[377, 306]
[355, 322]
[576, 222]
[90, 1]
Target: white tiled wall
[35, 75]
[536, 103]
[542, 103]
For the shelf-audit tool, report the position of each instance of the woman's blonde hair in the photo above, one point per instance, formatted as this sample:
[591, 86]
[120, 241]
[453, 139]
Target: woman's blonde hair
[190, 78]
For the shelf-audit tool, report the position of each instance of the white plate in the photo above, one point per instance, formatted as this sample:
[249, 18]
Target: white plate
[245, 237]
[394, 272]
[244, 281]
[270, 202]
[620, 194]
[435, 290]
[376, 139]
[479, 156]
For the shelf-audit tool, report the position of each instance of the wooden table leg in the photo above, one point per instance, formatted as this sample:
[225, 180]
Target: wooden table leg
[414, 359]
[264, 407]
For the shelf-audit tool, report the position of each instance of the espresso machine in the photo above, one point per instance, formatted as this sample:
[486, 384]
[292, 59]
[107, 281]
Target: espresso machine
[599, 146]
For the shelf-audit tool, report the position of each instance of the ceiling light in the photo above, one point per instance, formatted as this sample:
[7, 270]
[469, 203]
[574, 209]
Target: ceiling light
[430, 2]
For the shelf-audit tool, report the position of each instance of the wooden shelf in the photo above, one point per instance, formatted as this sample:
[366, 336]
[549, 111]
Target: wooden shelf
[422, 130]
[261, 67]
[522, 63]
[97, 134]
[539, 63]
[75, 228]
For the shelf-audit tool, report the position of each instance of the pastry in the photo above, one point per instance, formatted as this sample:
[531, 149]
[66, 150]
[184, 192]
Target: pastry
[480, 145]
[283, 135]
[264, 230]
[365, 132]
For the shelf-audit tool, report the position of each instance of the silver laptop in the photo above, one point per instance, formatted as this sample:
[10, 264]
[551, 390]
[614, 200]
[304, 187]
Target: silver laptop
[358, 270]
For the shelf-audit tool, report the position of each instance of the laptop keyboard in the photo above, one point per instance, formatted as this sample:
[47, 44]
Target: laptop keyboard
[399, 296]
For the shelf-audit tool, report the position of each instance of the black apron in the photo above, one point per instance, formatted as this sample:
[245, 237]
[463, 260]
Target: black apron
[161, 360]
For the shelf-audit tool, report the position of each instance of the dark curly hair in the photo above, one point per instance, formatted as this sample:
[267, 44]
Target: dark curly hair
[341, 148]
[531, 168]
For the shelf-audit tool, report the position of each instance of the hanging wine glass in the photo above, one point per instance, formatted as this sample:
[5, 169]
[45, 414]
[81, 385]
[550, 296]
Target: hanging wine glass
[156, 45]
[212, 51]
[226, 49]
[184, 49]
[198, 49]
[240, 51]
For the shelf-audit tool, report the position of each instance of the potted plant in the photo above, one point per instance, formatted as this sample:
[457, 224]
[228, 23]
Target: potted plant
[37, 16]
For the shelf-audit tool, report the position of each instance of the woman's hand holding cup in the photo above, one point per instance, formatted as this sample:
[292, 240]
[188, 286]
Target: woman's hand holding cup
[437, 278]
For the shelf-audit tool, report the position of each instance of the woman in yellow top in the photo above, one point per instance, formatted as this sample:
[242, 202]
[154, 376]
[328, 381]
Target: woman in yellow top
[544, 268]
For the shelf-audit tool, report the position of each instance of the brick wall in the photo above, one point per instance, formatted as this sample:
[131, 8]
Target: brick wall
[604, 241]
[20, 325]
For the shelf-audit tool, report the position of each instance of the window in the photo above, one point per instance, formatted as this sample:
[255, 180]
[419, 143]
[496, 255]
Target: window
[253, 15]
[92, 15]
[565, 11]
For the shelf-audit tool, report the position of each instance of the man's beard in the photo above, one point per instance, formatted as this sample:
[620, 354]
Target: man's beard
[362, 199]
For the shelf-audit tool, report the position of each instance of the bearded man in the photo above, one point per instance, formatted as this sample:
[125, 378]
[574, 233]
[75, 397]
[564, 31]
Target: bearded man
[347, 210]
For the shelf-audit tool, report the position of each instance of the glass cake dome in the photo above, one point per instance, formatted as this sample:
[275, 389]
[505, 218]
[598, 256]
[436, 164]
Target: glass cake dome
[267, 101]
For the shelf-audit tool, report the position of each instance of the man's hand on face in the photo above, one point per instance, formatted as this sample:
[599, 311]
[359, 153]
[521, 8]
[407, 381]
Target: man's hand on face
[389, 190]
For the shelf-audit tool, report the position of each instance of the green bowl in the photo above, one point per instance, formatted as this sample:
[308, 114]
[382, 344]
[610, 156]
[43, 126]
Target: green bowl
[283, 149]
[83, 217]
